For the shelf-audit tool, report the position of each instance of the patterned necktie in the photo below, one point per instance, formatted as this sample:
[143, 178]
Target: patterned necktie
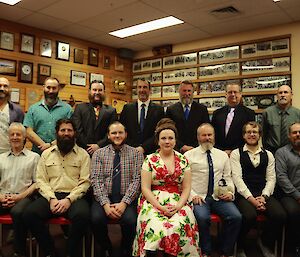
[229, 119]
[142, 117]
[186, 111]
[116, 179]
[210, 189]
[97, 111]
[283, 129]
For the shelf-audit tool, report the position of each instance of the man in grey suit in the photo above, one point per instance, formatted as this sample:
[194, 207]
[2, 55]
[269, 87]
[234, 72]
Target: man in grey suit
[92, 119]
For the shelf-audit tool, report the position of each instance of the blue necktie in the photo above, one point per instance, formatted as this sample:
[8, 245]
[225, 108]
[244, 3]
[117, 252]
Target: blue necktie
[186, 112]
[210, 189]
[116, 179]
[142, 118]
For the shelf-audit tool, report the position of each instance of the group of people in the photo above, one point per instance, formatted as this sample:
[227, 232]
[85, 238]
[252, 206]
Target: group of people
[160, 174]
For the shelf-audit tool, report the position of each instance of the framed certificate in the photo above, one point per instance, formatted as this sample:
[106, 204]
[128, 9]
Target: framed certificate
[7, 41]
[78, 78]
[46, 47]
[27, 43]
[25, 72]
[62, 51]
[44, 71]
[93, 57]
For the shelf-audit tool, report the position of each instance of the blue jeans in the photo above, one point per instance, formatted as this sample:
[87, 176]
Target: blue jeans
[231, 218]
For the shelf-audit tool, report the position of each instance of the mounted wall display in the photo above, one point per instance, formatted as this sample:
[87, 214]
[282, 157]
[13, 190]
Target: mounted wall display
[8, 67]
[96, 77]
[78, 78]
[93, 57]
[106, 62]
[119, 64]
[25, 72]
[44, 71]
[27, 44]
[7, 41]
[46, 47]
[78, 55]
[62, 51]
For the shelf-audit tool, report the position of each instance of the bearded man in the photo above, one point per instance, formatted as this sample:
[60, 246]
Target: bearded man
[188, 115]
[42, 116]
[92, 119]
[62, 177]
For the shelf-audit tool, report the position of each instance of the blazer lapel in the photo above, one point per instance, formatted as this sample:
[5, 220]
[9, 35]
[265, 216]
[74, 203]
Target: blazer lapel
[103, 110]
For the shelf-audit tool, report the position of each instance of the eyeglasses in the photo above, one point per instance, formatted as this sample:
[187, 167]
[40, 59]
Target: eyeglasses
[249, 132]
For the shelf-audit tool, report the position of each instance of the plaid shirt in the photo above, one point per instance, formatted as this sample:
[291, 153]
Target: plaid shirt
[102, 172]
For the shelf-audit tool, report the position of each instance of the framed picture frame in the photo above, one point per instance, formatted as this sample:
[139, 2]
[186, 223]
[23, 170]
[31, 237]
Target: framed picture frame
[118, 86]
[44, 71]
[46, 47]
[25, 72]
[8, 67]
[106, 62]
[7, 41]
[62, 51]
[27, 43]
[78, 78]
[119, 64]
[96, 77]
[93, 57]
[78, 55]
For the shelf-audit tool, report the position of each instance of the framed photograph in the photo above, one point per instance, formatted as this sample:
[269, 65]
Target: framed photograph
[137, 66]
[281, 46]
[7, 41]
[93, 57]
[33, 95]
[96, 77]
[119, 64]
[119, 86]
[118, 105]
[8, 67]
[25, 72]
[44, 71]
[46, 47]
[78, 55]
[27, 43]
[62, 51]
[78, 78]
[220, 54]
[106, 62]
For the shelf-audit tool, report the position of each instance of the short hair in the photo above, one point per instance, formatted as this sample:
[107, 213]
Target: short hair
[64, 121]
[233, 83]
[205, 124]
[290, 127]
[17, 125]
[115, 123]
[284, 85]
[253, 124]
[98, 82]
[163, 124]
[187, 82]
[51, 78]
[144, 80]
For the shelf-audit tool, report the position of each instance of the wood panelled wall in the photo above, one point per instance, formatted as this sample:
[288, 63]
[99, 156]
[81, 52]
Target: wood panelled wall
[62, 69]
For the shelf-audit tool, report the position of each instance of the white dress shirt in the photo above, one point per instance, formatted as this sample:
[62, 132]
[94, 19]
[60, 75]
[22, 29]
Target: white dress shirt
[140, 106]
[237, 173]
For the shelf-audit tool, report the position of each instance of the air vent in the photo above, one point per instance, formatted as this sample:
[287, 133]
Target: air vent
[225, 12]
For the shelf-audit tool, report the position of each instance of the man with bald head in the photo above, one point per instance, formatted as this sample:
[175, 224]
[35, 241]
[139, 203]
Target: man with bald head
[278, 118]
[9, 112]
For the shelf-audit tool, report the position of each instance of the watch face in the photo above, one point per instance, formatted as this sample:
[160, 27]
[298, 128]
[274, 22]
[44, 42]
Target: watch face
[26, 69]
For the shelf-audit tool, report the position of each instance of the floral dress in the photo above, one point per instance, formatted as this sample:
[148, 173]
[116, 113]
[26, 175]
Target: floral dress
[177, 235]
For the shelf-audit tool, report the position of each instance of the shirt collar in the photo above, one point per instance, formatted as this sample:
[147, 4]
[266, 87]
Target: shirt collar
[183, 105]
[146, 103]
[23, 152]
[280, 110]
[202, 150]
[74, 149]
[42, 102]
[246, 149]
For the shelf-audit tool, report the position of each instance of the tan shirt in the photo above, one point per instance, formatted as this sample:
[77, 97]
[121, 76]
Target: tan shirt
[63, 174]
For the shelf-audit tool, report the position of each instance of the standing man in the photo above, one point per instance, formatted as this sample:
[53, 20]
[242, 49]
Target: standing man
[92, 119]
[17, 173]
[188, 116]
[210, 166]
[288, 178]
[140, 119]
[115, 178]
[253, 172]
[42, 116]
[63, 180]
[229, 120]
[278, 118]
[9, 112]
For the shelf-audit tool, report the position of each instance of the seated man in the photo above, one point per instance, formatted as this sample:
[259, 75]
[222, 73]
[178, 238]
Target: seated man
[63, 179]
[17, 172]
[210, 173]
[253, 173]
[115, 178]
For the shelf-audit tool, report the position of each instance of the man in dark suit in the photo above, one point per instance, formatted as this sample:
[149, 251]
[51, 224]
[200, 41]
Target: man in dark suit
[188, 116]
[92, 119]
[140, 119]
[229, 120]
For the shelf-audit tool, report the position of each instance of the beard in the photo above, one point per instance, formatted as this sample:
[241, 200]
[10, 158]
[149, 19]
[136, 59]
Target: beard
[207, 145]
[186, 100]
[51, 98]
[96, 101]
[65, 144]
[4, 94]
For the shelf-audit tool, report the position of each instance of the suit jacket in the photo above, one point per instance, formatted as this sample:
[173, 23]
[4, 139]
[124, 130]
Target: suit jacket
[187, 129]
[129, 118]
[234, 138]
[89, 130]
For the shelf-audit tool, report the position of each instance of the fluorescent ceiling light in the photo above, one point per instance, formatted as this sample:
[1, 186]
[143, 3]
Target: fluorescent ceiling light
[10, 2]
[276, 1]
[147, 26]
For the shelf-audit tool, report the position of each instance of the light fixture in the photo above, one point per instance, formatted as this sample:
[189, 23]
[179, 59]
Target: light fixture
[276, 1]
[10, 2]
[146, 27]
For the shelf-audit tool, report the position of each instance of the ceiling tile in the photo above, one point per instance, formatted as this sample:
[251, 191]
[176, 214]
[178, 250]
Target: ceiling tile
[34, 5]
[72, 30]
[13, 13]
[108, 40]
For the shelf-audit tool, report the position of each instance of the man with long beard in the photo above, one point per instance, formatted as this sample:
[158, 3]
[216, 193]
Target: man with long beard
[92, 119]
[42, 116]
[9, 113]
[62, 177]
[211, 169]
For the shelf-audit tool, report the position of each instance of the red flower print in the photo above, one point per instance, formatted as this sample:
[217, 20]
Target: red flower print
[154, 158]
[182, 212]
[160, 173]
[167, 225]
[188, 230]
[171, 244]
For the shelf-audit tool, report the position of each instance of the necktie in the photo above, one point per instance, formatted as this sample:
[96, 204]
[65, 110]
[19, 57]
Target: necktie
[186, 111]
[97, 111]
[283, 129]
[116, 179]
[210, 189]
[142, 117]
[229, 119]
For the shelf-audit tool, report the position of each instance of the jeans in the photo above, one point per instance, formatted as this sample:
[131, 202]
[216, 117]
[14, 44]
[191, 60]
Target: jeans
[231, 218]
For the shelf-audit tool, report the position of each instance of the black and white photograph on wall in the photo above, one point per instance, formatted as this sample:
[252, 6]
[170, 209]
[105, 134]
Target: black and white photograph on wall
[257, 66]
[280, 46]
[228, 69]
[78, 78]
[146, 77]
[250, 102]
[220, 54]
[146, 65]
[190, 74]
[190, 59]
[179, 60]
[156, 102]
[137, 66]
[156, 78]
[45, 47]
[156, 64]
[25, 72]
[62, 51]
[218, 102]
[207, 102]
[249, 50]
[259, 118]
[170, 90]
[96, 77]
[7, 41]
[8, 67]
[134, 93]
[155, 92]
[27, 43]
[263, 48]
[167, 103]
[281, 64]
[215, 86]
[264, 101]
[168, 62]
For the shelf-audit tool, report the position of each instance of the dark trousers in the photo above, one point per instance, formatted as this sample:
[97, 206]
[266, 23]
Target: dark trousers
[39, 212]
[273, 225]
[292, 208]
[127, 222]
[19, 227]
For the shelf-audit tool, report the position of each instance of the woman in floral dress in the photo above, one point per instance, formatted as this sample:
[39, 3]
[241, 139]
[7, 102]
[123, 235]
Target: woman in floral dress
[166, 225]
